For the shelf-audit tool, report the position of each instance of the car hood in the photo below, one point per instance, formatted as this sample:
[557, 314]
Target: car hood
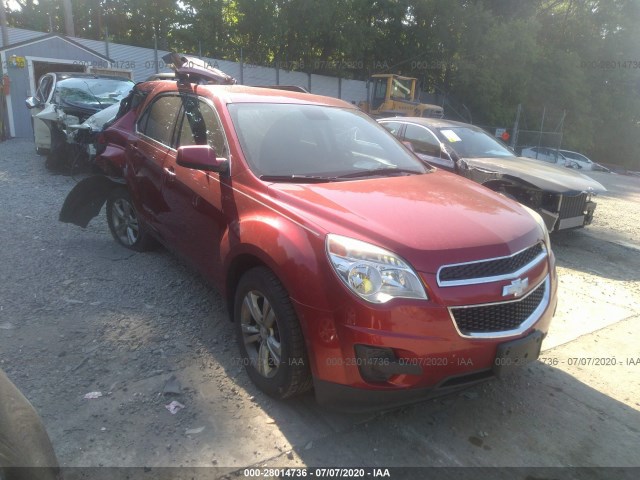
[430, 220]
[52, 113]
[547, 177]
[97, 120]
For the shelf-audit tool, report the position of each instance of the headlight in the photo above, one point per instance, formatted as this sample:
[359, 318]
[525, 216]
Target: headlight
[374, 274]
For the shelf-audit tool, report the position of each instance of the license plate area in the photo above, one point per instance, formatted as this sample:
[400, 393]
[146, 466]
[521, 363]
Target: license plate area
[513, 355]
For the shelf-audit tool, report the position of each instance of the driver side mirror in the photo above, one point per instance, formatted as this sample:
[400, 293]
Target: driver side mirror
[201, 157]
[33, 102]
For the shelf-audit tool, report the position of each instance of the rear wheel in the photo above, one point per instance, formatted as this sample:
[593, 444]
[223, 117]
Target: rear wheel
[269, 335]
[124, 224]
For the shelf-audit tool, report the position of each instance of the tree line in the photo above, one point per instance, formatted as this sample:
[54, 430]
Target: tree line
[579, 58]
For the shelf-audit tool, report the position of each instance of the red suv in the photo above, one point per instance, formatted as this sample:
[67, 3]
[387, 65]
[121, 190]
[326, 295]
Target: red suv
[348, 265]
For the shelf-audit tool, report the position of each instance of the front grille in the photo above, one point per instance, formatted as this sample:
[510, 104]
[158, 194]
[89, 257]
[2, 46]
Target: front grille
[498, 317]
[489, 268]
[573, 206]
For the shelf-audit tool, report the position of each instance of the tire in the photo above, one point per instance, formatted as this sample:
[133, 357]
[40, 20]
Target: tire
[25, 447]
[123, 222]
[267, 327]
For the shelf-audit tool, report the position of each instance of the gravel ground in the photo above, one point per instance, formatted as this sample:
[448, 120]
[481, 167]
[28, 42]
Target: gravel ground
[79, 314]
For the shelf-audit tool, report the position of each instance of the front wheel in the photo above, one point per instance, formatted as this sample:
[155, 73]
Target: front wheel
[124, 224]
[269, 335]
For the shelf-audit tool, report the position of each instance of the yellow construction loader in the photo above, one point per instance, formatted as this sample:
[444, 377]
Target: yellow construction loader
[392, 95]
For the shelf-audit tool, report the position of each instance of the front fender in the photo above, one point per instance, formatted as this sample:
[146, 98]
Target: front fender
[86, 199]
[294, 253]
[296, 256]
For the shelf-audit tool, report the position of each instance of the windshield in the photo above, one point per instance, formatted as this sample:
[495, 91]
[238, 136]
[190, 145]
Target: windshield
[401, 88]
[472, 143]
[92, 93]
[317, 141]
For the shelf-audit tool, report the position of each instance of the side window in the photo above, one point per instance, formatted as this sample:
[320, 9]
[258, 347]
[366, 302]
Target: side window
[186, 136]
[423, 141]
[200, 126]
[142, 121]
[44, 88]
[380, 88]
[158, 120]
[551, 155]
[393, 127]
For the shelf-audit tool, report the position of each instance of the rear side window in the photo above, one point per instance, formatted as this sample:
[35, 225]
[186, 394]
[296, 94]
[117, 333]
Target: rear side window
[158, 120]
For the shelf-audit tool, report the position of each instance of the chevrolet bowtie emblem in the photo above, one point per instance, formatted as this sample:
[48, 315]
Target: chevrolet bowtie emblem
[516, 288]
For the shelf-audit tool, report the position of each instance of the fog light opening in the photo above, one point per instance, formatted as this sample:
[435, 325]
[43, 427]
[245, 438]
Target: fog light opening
[372, 360]
[379, 364]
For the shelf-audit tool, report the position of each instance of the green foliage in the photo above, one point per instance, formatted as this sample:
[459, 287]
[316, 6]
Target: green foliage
[573, 57]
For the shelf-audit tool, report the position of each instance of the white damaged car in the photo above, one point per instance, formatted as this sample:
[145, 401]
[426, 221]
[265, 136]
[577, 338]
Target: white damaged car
[63, 101]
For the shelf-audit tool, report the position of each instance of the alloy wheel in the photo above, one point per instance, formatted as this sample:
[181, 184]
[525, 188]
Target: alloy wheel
[260, 333]
[125, 222]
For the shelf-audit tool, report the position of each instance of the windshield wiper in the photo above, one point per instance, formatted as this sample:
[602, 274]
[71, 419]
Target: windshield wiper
[380, 171]
[294, 178]
[93, 94]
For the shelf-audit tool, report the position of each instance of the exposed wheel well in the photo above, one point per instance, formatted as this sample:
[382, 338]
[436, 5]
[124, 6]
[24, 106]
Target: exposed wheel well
[496, 185]
[239, 266]
[509, 189]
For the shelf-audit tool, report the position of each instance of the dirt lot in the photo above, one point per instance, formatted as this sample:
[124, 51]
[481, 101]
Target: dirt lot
[80, 314]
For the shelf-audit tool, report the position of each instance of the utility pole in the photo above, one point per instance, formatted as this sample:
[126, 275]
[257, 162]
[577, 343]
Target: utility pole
[516, 127]
[544, 111]
[3, 24]
[68, 18]
[106, 41]
[561, 128]
[155, 50]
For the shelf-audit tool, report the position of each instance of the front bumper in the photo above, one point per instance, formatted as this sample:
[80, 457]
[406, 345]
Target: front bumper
[426, 355]
[345, 398]
[510, 355]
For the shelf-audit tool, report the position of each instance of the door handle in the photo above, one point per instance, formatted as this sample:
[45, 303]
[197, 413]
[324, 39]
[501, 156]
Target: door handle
[171, 174]
[134, 148]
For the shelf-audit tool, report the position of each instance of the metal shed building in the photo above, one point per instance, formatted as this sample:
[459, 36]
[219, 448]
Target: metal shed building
[25, 62]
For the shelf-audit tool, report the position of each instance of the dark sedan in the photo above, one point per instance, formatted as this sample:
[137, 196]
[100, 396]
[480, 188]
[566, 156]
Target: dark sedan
[562, 197]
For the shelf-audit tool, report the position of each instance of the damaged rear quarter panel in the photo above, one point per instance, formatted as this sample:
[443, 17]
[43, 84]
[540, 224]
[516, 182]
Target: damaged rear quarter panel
[112, 161]
[86, 199]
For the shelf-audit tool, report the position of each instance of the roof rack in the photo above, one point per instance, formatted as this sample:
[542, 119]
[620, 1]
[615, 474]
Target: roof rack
[290, 88]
